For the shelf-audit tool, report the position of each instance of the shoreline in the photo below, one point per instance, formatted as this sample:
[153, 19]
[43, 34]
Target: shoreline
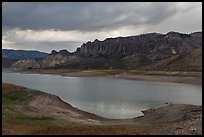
[155, 76]
[165, 119]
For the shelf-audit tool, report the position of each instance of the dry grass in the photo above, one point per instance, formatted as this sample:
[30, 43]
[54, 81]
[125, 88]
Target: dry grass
[167, 73]
[78, 130]
[8, 88]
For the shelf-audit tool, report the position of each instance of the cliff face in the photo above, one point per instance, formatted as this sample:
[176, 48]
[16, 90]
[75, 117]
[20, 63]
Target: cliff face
[153, 51]
[153, 43]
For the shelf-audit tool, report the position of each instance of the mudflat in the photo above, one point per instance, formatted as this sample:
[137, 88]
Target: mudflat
[27, 111]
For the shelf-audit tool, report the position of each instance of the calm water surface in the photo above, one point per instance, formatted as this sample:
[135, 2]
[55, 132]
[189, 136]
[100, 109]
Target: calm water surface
[109, 97]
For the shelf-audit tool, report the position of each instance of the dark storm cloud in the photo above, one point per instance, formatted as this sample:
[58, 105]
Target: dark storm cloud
[84, 16]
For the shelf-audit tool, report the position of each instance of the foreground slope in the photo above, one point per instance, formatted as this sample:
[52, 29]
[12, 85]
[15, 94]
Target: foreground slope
[27, 111]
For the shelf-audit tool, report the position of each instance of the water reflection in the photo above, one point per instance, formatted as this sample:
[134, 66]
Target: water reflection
[111, 110]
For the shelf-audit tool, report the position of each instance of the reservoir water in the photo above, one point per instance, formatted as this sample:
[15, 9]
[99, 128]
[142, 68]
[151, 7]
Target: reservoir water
[109, 97]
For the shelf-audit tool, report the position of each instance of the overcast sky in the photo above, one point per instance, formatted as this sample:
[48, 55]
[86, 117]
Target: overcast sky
[67, 25]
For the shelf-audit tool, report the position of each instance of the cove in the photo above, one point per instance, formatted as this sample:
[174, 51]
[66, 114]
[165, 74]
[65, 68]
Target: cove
[109, 97]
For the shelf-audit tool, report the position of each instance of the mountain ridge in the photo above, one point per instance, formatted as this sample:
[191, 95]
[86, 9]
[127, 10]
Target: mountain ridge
[23, 54]
[146, 51]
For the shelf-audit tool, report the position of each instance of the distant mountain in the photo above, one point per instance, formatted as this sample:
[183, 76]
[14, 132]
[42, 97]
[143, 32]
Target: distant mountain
[22, 54]
[152, 51]
[10, 56]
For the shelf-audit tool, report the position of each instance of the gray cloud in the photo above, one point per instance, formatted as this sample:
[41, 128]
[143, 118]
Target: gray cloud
[84, 16]
[56, 25]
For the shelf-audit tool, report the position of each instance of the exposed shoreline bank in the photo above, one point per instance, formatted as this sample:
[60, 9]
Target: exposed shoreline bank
[157, 76]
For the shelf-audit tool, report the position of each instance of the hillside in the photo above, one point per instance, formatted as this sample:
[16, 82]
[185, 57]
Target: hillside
[10, 56]
[152, 44]
[191, 61]
[152, 51]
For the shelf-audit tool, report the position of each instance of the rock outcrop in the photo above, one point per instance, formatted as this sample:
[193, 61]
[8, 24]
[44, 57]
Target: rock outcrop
[56, 58]
[64, 52]
[152, 43]
[26, 64]
[54, 52]
[53, 59]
